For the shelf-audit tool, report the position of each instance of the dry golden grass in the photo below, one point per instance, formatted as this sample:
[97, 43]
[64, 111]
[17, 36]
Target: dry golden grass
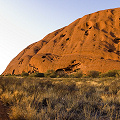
[61, 98]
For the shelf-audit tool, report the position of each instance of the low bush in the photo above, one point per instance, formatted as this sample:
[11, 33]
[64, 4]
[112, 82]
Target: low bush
[93, 74]
[111, 73]
[8, 74]
[37, 74]
[62, 75]
[50, 73]
[24, 74]
[17, 75]
[65, 75]
[78, 74]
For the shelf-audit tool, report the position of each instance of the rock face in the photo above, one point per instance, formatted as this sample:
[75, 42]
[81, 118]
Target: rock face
[89, 43]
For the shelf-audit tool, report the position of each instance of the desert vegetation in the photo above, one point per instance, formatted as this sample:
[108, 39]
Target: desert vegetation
[44, 98]
[76, 74]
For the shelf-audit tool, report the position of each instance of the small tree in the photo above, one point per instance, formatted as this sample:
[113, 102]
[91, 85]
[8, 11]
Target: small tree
[110, 73]
[50, 73]
[93, 74]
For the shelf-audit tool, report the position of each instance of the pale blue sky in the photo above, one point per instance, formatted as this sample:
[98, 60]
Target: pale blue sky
[23, 22]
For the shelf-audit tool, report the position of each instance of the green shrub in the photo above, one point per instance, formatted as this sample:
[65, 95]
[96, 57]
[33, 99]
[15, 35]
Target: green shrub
[18, 75]
[50, 73]
[61, 74]
[93, 74]
[37, 74]
[65, 75]
[24, 74]
[71, 75]
[8, 74]
[78, 74]
[111, 73]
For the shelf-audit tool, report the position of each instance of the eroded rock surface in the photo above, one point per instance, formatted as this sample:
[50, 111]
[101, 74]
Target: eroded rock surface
[89, 43]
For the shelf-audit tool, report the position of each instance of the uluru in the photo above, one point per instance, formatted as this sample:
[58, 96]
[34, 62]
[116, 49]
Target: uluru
[89, 43]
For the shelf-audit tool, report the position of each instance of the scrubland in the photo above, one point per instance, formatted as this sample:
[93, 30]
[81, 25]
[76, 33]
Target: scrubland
[33, 98]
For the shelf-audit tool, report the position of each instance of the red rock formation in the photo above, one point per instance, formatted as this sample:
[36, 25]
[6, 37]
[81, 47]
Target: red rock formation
[89, 43]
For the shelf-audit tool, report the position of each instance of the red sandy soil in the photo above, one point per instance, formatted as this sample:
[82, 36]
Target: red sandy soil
[89, 43]
[3, 112]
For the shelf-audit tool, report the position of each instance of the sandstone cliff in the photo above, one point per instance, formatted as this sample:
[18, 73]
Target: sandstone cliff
[89, 43]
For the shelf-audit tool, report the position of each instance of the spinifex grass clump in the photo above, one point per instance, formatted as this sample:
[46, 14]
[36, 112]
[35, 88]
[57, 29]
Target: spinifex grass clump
[61, 98]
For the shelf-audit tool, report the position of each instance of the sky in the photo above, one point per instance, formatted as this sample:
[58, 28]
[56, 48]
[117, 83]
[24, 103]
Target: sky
[23, 22]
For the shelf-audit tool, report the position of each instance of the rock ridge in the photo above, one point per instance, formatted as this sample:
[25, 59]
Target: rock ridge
[89, 43]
